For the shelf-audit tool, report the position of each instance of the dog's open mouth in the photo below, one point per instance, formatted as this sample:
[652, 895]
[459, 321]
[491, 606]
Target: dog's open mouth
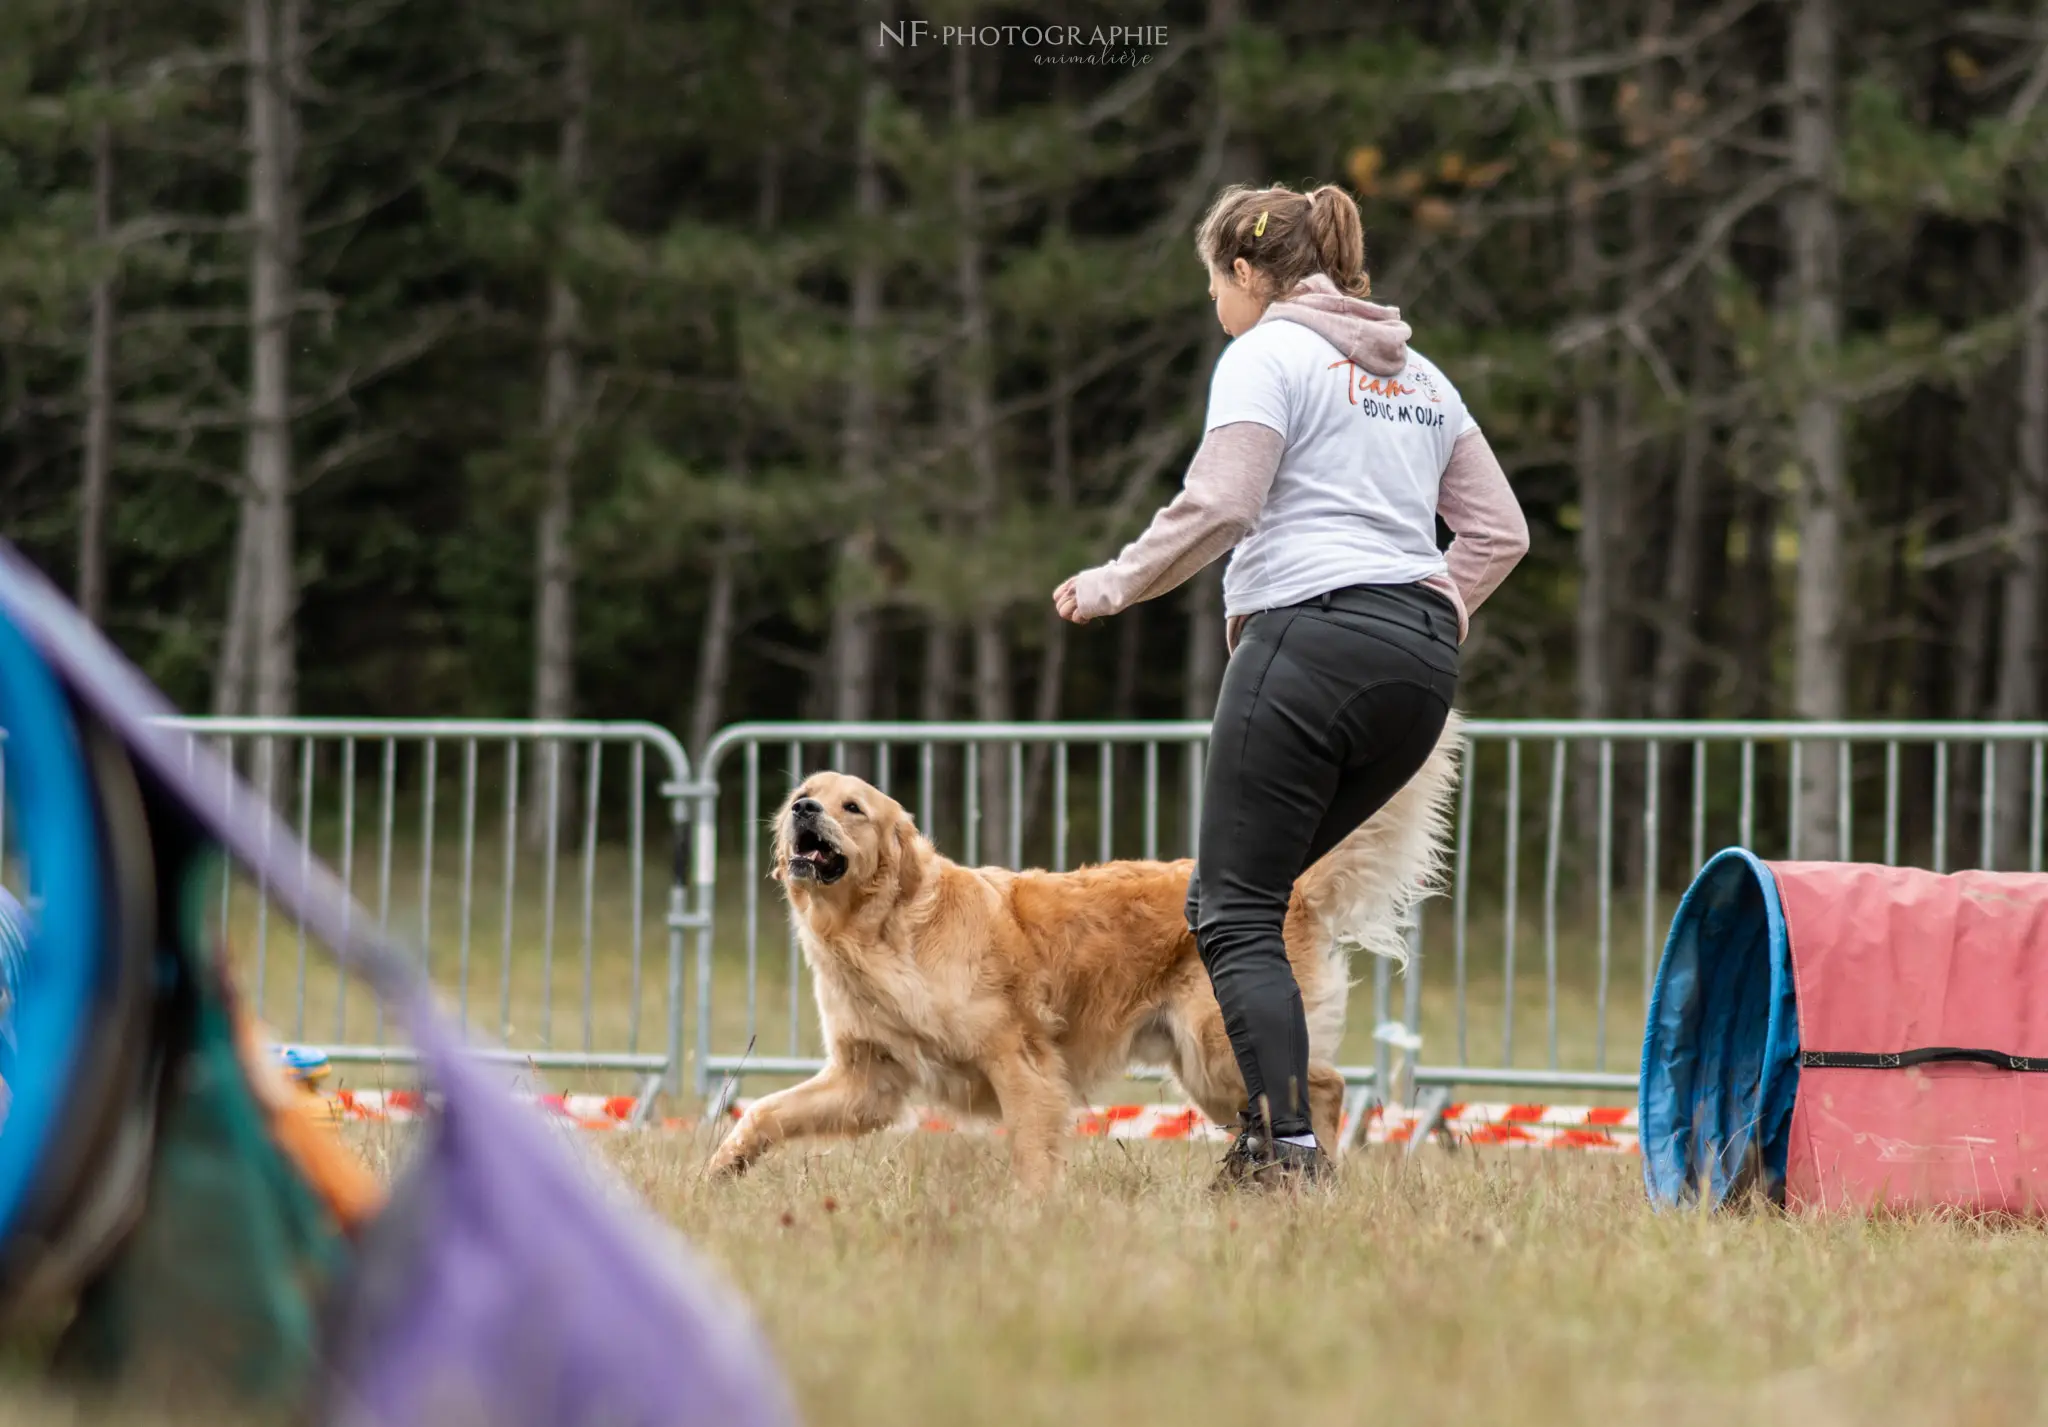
[812, 858]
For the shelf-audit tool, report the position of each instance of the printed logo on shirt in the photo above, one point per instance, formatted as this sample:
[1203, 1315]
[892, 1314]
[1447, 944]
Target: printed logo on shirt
[1382, 397]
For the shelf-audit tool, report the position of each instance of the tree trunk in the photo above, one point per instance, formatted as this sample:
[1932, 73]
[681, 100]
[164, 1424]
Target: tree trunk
[977, 419]
[270, 600]
[554, 668]
[1682, 592]
[231, 667]
[1758, 598]
[1591, 376]
[851, 657]
[1052, 655]
[720, 625]
[938, 700]
[2019, 653]
[714, 649]
[1819, 615]
[554, 602]
[95, 486]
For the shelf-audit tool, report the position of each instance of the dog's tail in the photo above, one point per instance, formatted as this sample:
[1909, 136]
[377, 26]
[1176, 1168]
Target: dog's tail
[1366, 891]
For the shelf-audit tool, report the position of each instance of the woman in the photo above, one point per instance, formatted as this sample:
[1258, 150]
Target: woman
[1330, 450]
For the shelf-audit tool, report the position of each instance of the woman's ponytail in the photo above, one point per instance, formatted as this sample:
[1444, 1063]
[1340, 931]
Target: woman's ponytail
[1339, 238]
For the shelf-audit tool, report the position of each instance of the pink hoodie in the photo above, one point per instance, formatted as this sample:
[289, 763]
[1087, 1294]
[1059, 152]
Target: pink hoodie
[1232, 472]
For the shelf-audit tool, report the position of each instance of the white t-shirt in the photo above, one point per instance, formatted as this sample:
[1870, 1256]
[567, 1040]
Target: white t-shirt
[1354, 501]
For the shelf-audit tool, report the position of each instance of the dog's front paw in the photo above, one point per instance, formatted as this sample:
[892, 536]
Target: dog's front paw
[734, 1153]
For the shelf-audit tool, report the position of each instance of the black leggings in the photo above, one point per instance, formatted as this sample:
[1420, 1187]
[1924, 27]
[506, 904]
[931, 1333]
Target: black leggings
[1327, 709]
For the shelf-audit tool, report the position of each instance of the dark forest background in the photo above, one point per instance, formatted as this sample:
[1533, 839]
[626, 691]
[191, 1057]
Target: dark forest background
[615, 358]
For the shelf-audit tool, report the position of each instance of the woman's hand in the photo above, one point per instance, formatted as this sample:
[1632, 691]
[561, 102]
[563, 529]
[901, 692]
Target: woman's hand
[1067, 601]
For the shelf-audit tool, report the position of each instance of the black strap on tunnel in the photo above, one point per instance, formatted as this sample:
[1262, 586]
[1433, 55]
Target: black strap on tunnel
[1901, 1059]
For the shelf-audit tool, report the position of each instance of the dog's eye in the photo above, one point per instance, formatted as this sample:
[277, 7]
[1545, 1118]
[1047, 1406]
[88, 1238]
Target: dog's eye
[853, 808]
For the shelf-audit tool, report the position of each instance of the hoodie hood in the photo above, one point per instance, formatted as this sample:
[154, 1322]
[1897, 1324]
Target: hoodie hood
[1373, 336]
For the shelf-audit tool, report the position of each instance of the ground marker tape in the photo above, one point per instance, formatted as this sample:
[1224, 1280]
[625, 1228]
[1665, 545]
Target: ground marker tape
[1610, 1129]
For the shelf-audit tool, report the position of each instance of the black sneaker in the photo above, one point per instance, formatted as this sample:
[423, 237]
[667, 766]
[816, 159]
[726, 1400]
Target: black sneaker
[1255, 1160]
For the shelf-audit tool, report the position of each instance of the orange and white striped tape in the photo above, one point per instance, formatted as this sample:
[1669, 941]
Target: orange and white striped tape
[1607, 1129]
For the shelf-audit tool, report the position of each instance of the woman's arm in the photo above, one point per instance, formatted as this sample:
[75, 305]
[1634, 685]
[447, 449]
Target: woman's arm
[1479, 506]
[1226, 488]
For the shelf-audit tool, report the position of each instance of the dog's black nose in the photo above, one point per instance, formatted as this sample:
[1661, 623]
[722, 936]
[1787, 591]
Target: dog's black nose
[807, 807]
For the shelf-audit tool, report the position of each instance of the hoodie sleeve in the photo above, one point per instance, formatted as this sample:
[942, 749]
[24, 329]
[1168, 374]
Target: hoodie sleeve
[1226, 488]
[1479, 506]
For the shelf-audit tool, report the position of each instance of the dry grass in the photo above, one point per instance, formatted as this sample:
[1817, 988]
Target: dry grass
[903, 1283]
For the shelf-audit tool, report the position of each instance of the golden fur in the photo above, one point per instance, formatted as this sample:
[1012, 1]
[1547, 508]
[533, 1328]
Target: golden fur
[1016, 994]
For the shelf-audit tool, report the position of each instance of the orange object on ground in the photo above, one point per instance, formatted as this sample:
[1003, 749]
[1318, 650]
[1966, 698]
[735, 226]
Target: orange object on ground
[304, 1130]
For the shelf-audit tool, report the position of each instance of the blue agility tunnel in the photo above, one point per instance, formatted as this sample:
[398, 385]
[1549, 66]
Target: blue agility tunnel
[1721, 1040]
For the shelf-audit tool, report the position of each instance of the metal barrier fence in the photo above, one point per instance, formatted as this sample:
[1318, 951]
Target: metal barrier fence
[519, 859]
[1626, 812]
[444, 828]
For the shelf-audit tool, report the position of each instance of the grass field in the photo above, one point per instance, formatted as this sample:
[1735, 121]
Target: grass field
[902, 1283]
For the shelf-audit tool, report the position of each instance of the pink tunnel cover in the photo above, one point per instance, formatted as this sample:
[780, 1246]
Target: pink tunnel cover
[1888, 960]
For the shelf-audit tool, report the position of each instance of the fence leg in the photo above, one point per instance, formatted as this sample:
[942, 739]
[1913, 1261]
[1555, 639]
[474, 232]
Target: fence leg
[1429, 1117]
[1364, 1103]
[643, 1104]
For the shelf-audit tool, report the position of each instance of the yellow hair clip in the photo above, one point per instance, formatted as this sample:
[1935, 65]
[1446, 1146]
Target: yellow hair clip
[1259, 228]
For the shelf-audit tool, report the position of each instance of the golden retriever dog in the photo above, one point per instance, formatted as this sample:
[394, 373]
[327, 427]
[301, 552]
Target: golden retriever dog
[1017, 994]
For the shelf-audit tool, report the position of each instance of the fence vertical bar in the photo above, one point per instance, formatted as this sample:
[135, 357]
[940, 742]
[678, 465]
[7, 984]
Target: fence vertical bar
[1699, 804]
[1941, 807]
[1552, 853]
[1016, 802]
[1511, 910]
[1151, 800]
[2034, 813]
[1382, 1053]
[971, 797]
[266, 750]
[1746, 823]
[796, 763]
[1987, 854]
[593, 785]
[882, 766]
[227, 871]
[387, 823]
[927, 787]
[348, 878]
[428, 777]
[1105, 801]
[1461, 871]
[266, 753]
[636, 849]
[750, 833]
[1653, 797]
[469, 794]
[1606, 894]
[1845, 806]
[1796, 761]
[549, 885]
[1059, 806]
[511, 881]
[683, 813]
[1891, 803]
[305, 874]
